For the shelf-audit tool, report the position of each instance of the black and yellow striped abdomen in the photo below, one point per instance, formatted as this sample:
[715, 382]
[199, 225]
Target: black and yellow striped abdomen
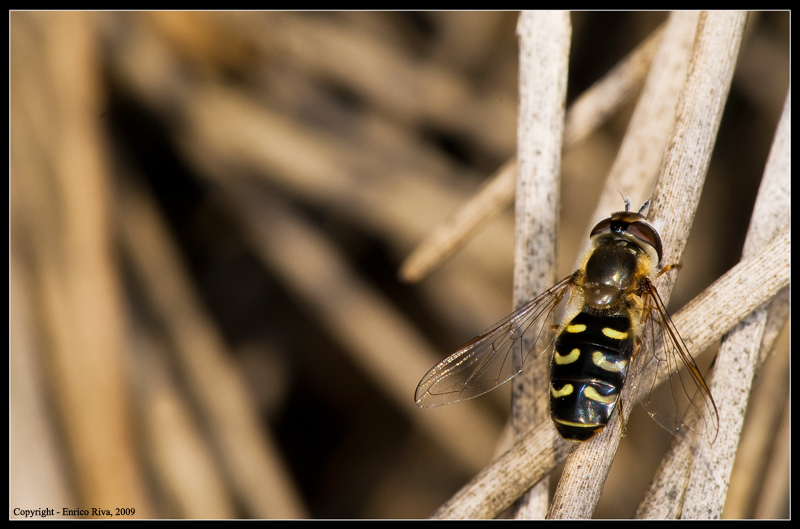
[590, 361]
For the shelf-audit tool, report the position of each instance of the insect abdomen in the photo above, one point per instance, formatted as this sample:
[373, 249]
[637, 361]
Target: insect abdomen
[591, 358]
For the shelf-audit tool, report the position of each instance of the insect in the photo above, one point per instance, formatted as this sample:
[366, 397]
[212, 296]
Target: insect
[612, 310]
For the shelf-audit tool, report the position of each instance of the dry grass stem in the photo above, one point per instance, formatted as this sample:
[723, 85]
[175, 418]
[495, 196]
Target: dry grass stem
[207, 215]
[778, 473]
[674, 204]
[757, 449]
[491, 199]
[250, 457]
[740, 353]
[172, 436]
[544, 39]
[369, 329]
[60, 178]
[639, 158]
[585, 115]
[724, 303]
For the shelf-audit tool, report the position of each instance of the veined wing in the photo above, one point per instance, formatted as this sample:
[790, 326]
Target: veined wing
[494, 356]
[684, 403]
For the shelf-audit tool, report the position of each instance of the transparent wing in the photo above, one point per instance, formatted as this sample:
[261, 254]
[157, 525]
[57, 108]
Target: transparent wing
[493, 357]
[684, 403]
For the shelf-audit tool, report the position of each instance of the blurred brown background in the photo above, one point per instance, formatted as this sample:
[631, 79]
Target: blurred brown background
[207, 215]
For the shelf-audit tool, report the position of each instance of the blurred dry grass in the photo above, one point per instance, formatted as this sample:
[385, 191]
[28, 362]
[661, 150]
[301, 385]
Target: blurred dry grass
[207, 213]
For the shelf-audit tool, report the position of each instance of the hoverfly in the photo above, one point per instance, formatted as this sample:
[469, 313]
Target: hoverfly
[613, 307]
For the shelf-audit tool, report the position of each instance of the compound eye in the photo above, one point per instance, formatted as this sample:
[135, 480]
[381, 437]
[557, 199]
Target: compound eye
[647, 234]
[603, 225]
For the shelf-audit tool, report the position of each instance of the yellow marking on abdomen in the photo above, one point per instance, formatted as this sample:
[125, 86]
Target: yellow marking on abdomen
[577, 424]
[578, 327]
[602, 362]
[591, 393]
[614, 334]
[563, 392]
[567, 359]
